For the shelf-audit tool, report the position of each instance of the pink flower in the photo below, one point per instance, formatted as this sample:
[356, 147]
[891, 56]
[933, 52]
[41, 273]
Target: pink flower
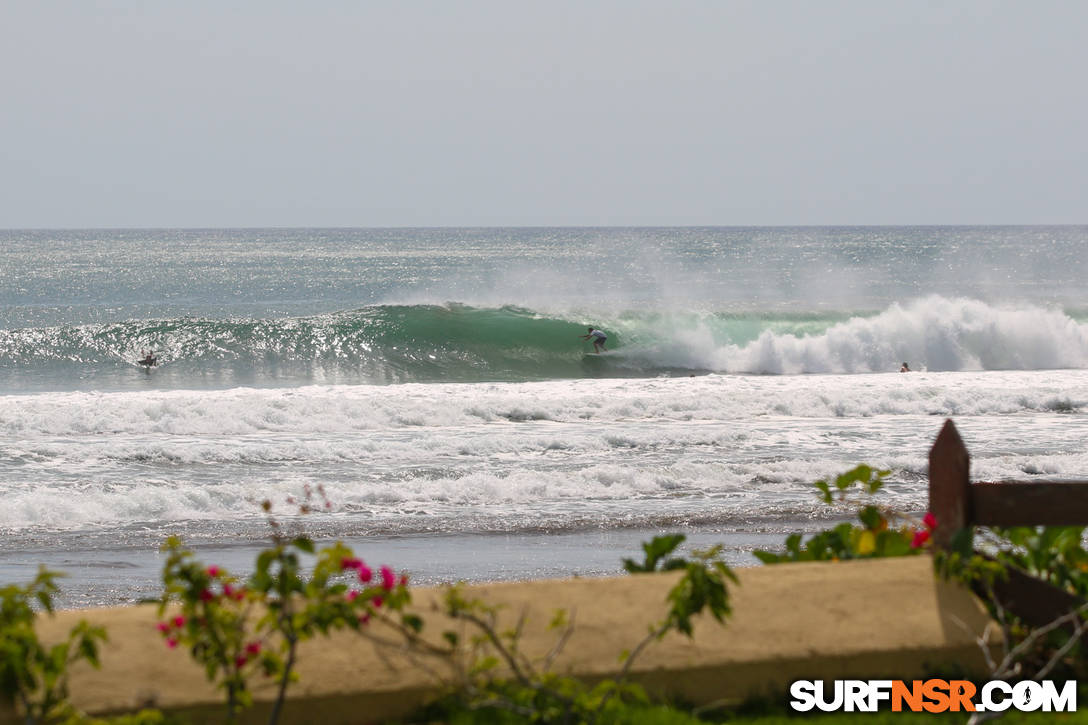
[240, 660]
[365, 574]
[179, 622]
[253, 648]
[930, 520]
[228, 591]
[239, 594]
[388, 580]
[352, 595]
[214, 571]
[377, 602]
[206, 595]
[164, 627]
[403, 580]
[920, 537]
[350, 563]
[171, 642]
[364, 618]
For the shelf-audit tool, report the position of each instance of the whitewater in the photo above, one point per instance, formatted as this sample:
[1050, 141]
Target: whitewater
[428, 389]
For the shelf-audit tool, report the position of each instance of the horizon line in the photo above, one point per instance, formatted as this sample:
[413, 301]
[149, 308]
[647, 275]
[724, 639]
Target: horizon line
[539, 226]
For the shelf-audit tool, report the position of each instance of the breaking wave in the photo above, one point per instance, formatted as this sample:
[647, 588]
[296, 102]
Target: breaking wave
[458, 343]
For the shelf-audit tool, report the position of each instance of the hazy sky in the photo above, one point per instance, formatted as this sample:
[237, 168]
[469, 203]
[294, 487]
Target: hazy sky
[583, 112]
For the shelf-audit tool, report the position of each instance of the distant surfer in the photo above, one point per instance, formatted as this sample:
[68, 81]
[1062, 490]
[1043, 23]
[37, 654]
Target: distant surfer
[905, 368]
[598, 337]
[148, 360]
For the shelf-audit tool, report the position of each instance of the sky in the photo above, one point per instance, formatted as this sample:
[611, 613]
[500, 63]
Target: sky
[267, 113]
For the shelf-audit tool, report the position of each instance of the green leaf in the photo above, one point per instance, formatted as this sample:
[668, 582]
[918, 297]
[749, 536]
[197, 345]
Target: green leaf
[655, 550]
[872, 518]
[265, 559]
[963, 542]
[485, 664]
[893, 543]
[854, 475]
[303, 543]
[559, 619]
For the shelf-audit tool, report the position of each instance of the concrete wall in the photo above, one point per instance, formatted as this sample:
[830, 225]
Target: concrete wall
[865, 619]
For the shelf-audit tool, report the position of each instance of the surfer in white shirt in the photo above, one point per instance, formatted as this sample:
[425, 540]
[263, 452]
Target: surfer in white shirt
[599, 338]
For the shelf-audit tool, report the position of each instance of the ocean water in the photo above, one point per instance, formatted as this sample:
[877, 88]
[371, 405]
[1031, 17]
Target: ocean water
[429, 391]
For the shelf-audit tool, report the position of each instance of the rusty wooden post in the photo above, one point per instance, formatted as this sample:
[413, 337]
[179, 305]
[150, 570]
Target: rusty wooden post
[949, 482]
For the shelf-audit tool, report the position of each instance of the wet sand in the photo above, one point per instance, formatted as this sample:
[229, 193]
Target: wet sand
[125, 575]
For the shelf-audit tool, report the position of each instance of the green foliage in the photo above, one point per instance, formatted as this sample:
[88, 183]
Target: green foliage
[236, 629]
[881, 532]
[656, 550]
[501, 684]
[215, 620]
[702, 587]
[34, 676]
[869, 479]
[962, 563]
[1053, 553]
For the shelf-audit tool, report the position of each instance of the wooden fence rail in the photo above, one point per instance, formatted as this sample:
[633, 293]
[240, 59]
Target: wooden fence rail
[959, 504]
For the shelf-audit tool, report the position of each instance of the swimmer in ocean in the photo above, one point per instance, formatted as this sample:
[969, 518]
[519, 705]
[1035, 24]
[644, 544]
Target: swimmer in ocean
[599, 338]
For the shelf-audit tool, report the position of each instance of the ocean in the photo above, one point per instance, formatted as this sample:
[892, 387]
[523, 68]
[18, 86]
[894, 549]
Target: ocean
[428, 390]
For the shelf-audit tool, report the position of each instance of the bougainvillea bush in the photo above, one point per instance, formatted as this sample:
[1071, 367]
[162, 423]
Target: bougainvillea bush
[237, 629]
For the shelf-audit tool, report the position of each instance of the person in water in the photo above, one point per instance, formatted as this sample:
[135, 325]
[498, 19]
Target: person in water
[599, 338]
[149, 358]
[905, 368]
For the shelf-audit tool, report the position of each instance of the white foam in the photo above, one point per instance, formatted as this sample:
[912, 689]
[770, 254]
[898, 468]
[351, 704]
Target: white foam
[519, 454]
[934, 333]
[330, 410]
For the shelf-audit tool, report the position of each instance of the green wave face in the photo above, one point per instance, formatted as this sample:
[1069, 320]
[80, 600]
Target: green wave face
[381, 344]
[460, 344]
[388, 344]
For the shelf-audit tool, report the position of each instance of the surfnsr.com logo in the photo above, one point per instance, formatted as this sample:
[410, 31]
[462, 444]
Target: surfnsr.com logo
[933, 696]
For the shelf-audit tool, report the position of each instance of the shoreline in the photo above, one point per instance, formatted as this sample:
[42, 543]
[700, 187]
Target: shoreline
[126, 576]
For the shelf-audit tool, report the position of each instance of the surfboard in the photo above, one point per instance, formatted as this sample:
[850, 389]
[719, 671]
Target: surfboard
[148, 363]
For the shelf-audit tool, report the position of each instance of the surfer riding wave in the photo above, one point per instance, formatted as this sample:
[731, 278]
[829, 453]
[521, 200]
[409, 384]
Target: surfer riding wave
[599, 338]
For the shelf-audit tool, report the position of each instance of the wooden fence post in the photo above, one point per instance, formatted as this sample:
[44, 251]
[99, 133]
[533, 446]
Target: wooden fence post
[949, 471]
[958, 504]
